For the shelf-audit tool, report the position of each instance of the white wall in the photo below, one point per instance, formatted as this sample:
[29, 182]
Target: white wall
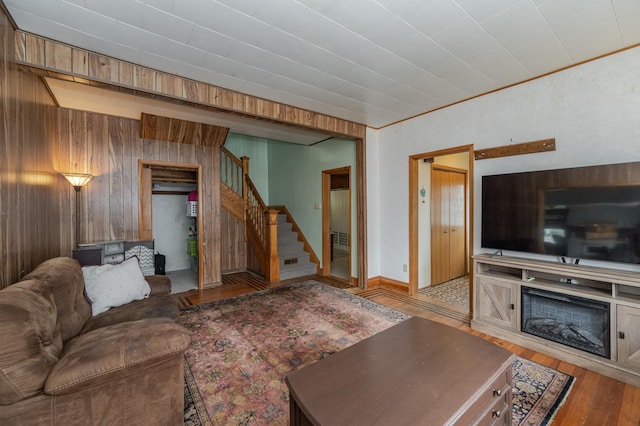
[592, 111]
[171, 229]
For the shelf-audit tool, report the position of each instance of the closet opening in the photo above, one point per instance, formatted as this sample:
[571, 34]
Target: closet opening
[169, 215]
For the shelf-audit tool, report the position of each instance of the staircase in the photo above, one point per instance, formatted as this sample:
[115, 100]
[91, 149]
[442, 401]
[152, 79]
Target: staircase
[276, 247]
[294, 260]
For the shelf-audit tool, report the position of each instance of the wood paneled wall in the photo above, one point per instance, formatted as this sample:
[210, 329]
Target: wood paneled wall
[109, 148]
[233, 247]
[34, 197]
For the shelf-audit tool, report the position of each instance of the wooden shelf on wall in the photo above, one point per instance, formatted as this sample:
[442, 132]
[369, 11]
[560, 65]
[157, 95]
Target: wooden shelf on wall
[542, 145]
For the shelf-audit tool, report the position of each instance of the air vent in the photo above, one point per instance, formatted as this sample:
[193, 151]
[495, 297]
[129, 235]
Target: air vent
[291, 261]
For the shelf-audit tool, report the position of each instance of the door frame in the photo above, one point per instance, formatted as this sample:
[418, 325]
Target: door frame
[414, 161]
[145, 209]
[326, 218]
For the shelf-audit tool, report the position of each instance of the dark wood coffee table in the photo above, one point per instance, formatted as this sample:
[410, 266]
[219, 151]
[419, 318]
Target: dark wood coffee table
[418, 372]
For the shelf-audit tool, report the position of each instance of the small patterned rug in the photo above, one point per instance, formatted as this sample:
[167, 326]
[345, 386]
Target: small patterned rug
[454, 292]
[242, 348]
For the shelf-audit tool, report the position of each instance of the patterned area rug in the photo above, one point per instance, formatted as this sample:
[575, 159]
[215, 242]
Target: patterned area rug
[243, 347]
[538, 392]
[454, 292]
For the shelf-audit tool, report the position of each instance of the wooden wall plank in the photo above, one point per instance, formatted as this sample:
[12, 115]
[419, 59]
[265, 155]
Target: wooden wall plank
[233, 247]
[58, 56]
[80, 62]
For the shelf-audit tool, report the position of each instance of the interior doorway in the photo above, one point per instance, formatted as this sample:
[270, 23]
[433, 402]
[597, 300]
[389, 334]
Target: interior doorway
[169, 189]
[420, 212]
[336, 223]
[448, 224]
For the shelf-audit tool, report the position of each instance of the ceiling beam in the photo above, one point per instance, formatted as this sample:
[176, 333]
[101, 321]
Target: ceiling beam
[51, 58]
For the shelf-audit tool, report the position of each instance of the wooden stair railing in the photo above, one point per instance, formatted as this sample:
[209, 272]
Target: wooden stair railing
[241, 198]
[232, 171]
[262, 232]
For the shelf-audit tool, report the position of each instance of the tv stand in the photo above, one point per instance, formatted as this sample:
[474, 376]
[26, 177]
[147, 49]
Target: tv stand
[497, 308]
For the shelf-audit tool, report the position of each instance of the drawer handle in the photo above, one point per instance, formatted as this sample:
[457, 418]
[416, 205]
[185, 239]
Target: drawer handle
[497, 392]
[496, 413]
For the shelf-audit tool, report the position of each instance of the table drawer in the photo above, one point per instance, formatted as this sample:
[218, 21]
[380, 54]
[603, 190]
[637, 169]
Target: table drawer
[500, 415]
[491, 398]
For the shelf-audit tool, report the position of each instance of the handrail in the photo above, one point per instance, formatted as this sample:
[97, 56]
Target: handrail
[255, 211]
[232, 170]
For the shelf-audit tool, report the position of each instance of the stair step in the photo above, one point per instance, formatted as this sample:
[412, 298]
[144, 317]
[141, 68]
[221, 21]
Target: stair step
[282, 235]
[297, 270]
[295, 258]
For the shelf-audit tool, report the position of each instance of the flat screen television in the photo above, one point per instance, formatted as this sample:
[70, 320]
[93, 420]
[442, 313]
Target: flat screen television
[580, 213]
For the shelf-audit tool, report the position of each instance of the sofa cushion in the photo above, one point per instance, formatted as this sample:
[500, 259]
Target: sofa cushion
[64, 276]
[30, 339]
[108, 286]
[116, 351]
[153, 307]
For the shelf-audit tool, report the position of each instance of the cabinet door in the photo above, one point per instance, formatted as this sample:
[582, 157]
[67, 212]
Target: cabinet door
[495, 302]
[628, 335]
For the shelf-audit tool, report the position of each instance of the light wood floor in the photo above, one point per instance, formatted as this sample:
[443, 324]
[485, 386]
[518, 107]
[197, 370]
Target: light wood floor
[594, 400]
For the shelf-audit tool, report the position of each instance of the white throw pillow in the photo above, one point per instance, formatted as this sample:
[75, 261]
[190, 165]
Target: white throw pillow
[108, 286]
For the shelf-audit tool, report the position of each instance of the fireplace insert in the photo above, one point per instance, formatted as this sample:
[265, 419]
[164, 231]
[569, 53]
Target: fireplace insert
[570, 320]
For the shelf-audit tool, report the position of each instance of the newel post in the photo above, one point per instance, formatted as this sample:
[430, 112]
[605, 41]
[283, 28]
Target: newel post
[272, 246]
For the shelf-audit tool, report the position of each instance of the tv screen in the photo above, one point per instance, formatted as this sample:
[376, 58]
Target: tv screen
[573, 213]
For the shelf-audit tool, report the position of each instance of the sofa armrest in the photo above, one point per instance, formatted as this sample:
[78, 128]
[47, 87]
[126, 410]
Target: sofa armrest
[114, 351]
[159, 284]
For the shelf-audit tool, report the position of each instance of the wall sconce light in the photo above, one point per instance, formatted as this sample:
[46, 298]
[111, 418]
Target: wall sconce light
[78, 180]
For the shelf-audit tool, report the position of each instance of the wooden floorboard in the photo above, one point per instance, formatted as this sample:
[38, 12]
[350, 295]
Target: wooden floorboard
[594, 400]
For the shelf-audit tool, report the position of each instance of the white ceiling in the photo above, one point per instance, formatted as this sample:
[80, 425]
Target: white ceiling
[369, 61]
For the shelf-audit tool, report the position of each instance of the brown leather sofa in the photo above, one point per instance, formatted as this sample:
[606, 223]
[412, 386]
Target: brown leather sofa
[60, 366]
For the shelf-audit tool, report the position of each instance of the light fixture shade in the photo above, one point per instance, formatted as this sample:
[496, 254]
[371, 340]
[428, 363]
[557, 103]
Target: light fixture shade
[77, 179]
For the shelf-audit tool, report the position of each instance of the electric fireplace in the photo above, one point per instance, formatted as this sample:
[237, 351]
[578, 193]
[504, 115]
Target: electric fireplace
[570, 320]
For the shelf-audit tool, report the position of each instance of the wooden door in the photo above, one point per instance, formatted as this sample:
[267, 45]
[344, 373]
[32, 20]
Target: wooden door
[457, 224]
[448, 224]
[439, 227]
